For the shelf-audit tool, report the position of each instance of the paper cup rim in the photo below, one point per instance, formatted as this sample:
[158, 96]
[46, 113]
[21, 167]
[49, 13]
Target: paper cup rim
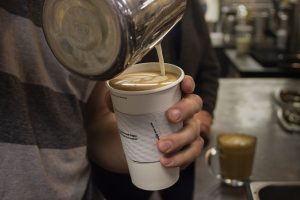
[180, 78]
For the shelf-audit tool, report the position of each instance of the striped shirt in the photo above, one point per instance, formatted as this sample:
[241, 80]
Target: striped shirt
[42, 137]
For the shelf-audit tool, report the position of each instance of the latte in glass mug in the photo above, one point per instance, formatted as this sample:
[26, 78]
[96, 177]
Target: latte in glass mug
[236, 156]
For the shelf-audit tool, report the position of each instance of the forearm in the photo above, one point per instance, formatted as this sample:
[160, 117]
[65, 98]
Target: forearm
[208, 69]
[104, 144]
[207, 84]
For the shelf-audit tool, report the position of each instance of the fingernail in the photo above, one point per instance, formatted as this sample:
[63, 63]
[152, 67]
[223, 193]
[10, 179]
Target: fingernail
[167, 162]
[164, 146]
[175, 114]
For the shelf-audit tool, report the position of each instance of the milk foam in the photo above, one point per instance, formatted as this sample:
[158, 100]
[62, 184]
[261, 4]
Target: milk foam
[236, 140]
[139, 81]
[142, 81]
[161, 60]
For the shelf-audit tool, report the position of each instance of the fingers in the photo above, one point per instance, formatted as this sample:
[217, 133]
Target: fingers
[185, 108]
[204, 129]
[182, 148]
[189, 105]
[188, 85]
[185, 157]
[206, 121]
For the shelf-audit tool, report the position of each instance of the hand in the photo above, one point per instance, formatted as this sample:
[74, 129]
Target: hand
[206, 121]
[179, 150]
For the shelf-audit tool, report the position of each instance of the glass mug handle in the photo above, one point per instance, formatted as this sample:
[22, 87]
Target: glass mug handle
[210, 153]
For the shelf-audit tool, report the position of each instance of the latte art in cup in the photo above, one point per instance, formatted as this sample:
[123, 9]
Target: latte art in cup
[141, 95]
[236, 156]
[140, 81]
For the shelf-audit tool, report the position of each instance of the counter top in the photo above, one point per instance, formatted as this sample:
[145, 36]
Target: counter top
[247, 66]
[246, 105]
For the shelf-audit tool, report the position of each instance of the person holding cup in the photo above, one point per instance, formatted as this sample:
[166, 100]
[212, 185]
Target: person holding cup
[46, 112]
[50, 117]
[188, 46]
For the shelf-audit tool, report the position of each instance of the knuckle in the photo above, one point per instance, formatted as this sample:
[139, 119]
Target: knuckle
[192, 158]
[189, 77]
[200, 142]
[195, 128]
[198, 126]
[198, 145]
[177, 163]
[184, 161]
[186, 158]
[196, 100]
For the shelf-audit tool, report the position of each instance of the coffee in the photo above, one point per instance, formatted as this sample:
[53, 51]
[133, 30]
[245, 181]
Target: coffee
[141, 97]
[139, 81]
[236, 155]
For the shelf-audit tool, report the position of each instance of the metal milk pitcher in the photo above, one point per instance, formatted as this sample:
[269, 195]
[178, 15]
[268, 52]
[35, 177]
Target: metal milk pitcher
[100, 38]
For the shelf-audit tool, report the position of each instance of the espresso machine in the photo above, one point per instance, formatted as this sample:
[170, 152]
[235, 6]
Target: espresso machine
[294, 28]
[289, 17]
[98, 39]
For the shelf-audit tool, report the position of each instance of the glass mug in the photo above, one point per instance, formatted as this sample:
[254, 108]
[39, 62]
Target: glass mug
[98, 39]
[236, 155]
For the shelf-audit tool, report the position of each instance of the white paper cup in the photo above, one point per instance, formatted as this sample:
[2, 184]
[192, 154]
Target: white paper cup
[141, 119]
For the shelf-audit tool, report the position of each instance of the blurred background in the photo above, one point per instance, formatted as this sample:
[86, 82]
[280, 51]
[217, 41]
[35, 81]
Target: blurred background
[255, 38]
